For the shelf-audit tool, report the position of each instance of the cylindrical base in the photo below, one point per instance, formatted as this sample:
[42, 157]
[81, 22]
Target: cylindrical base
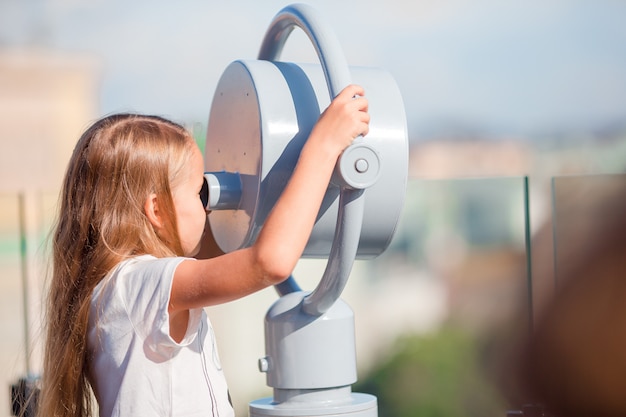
[355, 405]
[306, 352]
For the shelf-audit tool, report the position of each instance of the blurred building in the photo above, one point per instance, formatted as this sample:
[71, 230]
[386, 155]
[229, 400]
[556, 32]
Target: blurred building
[471, 158]
[46, 99]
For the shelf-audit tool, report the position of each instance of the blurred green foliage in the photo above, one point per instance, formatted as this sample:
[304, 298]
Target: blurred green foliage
[198, 131]
[435, 375]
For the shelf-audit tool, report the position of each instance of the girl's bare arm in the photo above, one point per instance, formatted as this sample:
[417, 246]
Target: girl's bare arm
[286, 231]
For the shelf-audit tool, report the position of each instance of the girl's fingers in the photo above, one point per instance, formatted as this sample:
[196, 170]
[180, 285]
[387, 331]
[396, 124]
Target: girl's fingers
[353, 90]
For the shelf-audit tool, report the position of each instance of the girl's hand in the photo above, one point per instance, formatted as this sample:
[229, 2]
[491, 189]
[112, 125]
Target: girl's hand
[343, 120]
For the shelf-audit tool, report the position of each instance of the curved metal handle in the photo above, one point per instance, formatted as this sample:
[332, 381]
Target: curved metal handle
[322, 37]
[351, 202]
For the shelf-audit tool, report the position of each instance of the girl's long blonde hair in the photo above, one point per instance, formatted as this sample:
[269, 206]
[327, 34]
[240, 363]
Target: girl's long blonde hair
[117, 163]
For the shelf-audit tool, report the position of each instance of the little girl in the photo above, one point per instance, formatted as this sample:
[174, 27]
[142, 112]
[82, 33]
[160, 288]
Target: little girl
[124, 315]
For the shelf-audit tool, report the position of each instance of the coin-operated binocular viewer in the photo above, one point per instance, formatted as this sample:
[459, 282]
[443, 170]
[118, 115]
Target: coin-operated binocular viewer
[262, 113]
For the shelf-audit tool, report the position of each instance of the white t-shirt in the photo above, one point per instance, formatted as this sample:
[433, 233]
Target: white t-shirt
[135, 367]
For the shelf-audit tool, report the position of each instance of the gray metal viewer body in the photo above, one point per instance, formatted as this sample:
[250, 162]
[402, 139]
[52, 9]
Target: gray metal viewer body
[261, 115]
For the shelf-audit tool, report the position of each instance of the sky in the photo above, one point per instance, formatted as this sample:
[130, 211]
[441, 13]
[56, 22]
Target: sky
[501, 67]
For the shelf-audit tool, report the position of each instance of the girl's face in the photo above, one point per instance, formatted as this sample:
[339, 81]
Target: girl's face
[190, 212]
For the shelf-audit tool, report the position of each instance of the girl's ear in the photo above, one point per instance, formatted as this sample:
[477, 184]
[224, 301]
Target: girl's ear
[151, 209]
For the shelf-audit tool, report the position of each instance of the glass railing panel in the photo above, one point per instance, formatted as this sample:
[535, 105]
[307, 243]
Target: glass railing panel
[25, 223]
[452, 286]
[12, 358]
